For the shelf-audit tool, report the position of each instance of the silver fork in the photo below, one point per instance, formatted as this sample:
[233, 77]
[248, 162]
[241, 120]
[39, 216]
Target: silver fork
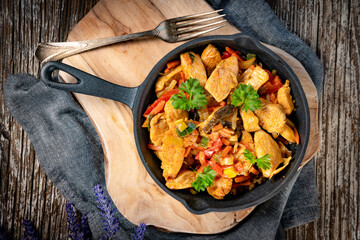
[170, 30]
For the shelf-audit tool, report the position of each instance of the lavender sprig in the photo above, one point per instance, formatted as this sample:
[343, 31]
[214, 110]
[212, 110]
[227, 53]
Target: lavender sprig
[140, 232]
[111, 224]
[84, 227]
[73, 225]
[30, 232]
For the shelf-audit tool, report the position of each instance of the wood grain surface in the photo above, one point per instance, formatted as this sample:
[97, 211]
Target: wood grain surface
[331, 28]
[129, 65]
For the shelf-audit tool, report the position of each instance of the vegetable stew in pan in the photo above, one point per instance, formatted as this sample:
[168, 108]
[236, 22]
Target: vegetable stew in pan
[220, 123]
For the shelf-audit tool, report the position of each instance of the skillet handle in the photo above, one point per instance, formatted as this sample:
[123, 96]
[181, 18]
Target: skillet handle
[87, 84]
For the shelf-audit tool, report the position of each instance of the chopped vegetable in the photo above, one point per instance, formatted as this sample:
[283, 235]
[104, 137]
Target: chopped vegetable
[248, 56]
[153, 147]
[173, 64]
[196, 97]
[204, 179]
[271, 86]
[246, 64]
[246, 97]
[230, 172]
[263, 162]
[217, 168]
[181, 125]
[226, 55]
[191, 57]
[190, 128]
[226, 151]
[241, 178]
[165, 97]
[204, 142]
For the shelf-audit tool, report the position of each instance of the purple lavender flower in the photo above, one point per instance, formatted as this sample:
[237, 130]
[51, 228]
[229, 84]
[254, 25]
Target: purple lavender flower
[30, 232]
[84, 227]
[111, 224]
[73, 225]
[140, 232]
[3, 234]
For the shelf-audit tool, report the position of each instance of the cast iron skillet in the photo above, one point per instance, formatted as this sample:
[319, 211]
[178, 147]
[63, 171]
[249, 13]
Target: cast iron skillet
[140, 97]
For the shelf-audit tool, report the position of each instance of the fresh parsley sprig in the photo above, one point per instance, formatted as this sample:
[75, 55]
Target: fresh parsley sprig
[247, 97]
[196, 97]
[204, 179]
[263, 162]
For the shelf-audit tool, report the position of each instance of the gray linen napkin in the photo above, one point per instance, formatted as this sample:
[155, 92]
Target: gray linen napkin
[70, 151]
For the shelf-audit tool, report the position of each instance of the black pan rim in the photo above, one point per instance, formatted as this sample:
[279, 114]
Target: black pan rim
[150, 80]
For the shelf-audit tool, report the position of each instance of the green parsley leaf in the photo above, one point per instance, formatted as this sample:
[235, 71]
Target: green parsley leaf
[197, 99]
[247, 97]
[263, 162]
[204, 179]
[191, 127]
[204, 142]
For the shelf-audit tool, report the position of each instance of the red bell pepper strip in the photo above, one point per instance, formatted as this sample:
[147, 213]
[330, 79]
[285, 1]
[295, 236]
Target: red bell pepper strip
[217, 168]
[226, 55]
[165, 97]
[271, 77]
[212, 150]
[271, 86]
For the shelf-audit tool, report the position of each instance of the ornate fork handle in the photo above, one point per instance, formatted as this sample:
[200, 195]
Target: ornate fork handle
[58, 50]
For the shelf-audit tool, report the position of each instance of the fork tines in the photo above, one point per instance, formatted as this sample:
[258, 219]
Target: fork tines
[198, 24]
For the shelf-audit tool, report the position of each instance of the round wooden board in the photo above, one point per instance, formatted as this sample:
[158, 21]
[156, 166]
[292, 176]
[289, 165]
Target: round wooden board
[131, 188]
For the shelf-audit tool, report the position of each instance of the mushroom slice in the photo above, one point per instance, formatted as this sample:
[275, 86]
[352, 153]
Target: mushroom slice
[182, 181]
[210, 57]
[216, 116]
[193, 66]
[284, 98]
[223, 78]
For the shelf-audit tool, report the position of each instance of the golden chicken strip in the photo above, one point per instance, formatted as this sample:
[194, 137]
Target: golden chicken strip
[288, 134]
[265, 144]
[172, 154]
[164, 83]
[223, 78]
[210, 57]
[256, 77]
[158, 128]
[173, 114]
[220, 188]
[271, 116]
[182, 181]
[193, 66]
[250, 121]
[284, 98]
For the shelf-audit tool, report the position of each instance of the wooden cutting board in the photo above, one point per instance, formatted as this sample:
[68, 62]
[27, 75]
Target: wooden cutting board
[133, 191]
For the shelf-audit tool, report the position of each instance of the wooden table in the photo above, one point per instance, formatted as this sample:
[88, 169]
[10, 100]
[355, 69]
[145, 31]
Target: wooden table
[331, 28]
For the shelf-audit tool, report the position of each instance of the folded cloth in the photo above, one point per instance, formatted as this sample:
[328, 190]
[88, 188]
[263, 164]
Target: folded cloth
[70, 152]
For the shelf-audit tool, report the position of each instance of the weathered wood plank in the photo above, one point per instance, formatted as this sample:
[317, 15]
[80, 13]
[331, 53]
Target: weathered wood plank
[331, 28]
[26, 193]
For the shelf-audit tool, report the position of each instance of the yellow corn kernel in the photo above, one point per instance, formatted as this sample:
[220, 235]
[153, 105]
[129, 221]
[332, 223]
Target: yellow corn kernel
[181, 125]
[230, 172]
